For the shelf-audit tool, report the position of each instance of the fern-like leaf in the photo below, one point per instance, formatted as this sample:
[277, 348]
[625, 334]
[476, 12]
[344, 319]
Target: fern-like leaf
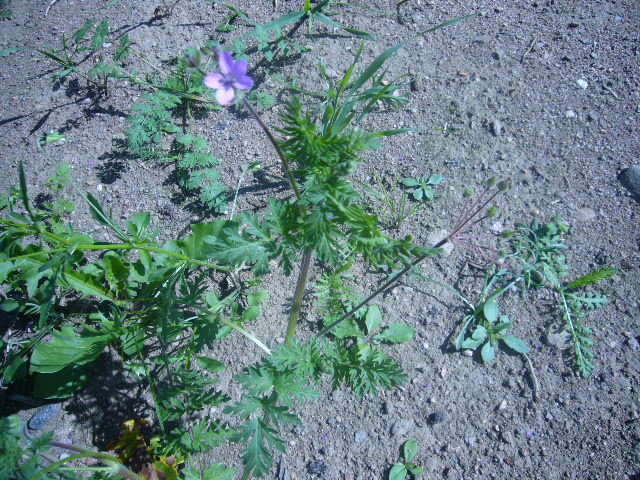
[592, 277]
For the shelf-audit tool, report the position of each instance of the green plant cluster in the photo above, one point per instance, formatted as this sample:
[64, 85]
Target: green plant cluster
[537, 259]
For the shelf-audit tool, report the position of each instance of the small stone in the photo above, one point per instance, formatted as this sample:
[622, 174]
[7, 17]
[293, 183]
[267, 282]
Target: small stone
[582, 84]
[549, 416]
[496, 227]
[298, 429]
[43, 416]
[503, 404]
[337, 395]
[402, 426]
[585, 215]
[360, 436]
[574, 24]
[331, 421]
[559, 338]
[496, 127]
[99, 187]
[506, 437]
[317, 467]
[437, 417]
[416, 84]
[570, 114]
[436, 236]
[630, 179]
[467, 353]
[470, 441]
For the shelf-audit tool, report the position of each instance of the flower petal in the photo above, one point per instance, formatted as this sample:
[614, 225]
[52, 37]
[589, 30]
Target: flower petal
[240, 68]
[225, 60]
[214, 80]
[225, 95]
[243, 82]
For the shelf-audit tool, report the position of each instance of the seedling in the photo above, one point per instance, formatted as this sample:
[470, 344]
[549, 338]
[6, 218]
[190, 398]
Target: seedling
[400, 470]
[422, 186]
[488, 330]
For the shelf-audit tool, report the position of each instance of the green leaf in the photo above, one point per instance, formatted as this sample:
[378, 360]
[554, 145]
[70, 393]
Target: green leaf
[470, 343]
[61, 384]
[67, 348]
[435, 179]
[410, 182]
[82, 31]
[414, 470]
[448, 23]
[276, 24]
[395, 333]
[138, 224]
[8, 51]
[100, 34]
[410, 450]
[115, 271]
[398, 472]
[488, 352]
[515, 344]
[16, 368]
[211, 365]
[592, 277]
[215, 471]
[254, 299]
[372, 318]
[490, 311]
[418, 194]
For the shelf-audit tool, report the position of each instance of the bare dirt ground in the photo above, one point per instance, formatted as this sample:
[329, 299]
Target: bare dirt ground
[545, 93]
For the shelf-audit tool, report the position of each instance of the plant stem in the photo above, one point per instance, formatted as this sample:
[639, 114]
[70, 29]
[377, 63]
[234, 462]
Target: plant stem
[308, 251]
[307, 256]
[236, 327]
[274, 142]
[378, 291]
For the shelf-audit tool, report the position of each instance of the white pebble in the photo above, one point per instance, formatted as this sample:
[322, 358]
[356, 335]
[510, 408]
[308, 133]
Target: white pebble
[570, 114]
[582, 84]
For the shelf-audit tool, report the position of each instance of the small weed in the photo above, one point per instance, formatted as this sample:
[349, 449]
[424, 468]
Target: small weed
[422, 186]
[400, 470]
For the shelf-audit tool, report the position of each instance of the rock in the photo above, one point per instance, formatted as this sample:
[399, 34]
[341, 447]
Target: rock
[496, 127]
[585, 215]
[337, 395]
[470, 441]
[43, 416]
[437, 236]
[582, 84]
[630, 179]
[437, 417]
[317, 467]
[417, 84]
[467, 353]
[570, 114]
[559, 338]
[360, 436]
[402, 426]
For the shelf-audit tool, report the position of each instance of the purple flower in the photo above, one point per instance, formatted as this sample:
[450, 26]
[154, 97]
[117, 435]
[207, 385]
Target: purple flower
[233, 77]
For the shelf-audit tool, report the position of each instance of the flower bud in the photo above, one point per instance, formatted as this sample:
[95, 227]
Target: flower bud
[468, 192]
[504, 185]
[491, 182]
[492, 212]
[192, 58]
[507, 233]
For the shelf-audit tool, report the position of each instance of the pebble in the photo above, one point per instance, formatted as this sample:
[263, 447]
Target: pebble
[360, 436]
[437, 417]
[496, 127]
[561, 339]
[585, 214]
[402, 426]
[337, 395]
[467, 353]
[43, 416]
[630, 179]
[503, 404]
[470, 441]
[437, 236]
[570, 114]
[582, 84]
